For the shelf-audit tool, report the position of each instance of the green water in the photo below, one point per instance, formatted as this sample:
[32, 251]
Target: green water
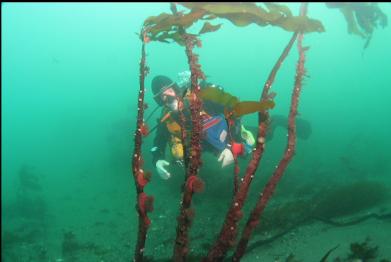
[70, 80]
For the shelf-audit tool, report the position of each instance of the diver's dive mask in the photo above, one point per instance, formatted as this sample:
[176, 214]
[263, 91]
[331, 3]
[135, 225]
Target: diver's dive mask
[169, 98]
[166, 90]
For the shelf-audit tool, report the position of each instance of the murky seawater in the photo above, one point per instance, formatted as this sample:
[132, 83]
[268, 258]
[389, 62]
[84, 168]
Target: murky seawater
[70, 82]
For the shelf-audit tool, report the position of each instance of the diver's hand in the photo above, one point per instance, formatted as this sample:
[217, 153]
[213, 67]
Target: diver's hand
[247, 135]
[163, 173]
[226, 157]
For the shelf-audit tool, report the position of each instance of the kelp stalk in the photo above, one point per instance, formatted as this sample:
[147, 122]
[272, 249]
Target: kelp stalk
[192, 183]
[288, 154]
[144, 202]
[182, 118]
[228, 232]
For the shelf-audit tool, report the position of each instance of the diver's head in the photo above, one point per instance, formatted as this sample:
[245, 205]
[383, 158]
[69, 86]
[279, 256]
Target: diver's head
[165, 92]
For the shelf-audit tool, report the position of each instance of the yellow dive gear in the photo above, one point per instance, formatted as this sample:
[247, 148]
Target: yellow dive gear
[176, 148]
[175, 130]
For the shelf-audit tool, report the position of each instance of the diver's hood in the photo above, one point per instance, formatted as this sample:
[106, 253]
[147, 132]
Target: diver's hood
[160, 84]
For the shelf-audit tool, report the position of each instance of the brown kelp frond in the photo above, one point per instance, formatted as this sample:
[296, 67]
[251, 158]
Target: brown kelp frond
[218, 96]
[248, 107]
[207, 27]
[273, 7]
[361, 18]
[244, 14]
[232, 104]
[165, 26]
[167, 22]
[301, 23]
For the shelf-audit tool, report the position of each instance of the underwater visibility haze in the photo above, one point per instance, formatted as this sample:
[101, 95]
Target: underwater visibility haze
[80, 181]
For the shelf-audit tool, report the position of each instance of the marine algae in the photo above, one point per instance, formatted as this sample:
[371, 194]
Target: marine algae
[361, 18]
[218, 96]
[165, 27]
[248, 13]
[232, 104]
[248, 107]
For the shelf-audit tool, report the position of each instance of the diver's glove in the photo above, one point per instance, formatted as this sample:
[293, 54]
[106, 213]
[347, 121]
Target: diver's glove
[247, 135]
[163, 173]
[226, 157]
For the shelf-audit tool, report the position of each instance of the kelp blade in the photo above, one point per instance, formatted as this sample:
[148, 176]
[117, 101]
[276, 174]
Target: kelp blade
[248, 107]
[243, 14]
[219, 96]
[232, 104]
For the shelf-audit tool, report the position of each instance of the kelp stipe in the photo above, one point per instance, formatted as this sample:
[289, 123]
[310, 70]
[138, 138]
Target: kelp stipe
[144, 203]
[172, 28]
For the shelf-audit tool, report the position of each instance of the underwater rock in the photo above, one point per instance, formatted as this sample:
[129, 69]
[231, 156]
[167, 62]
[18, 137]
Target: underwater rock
[350, 199]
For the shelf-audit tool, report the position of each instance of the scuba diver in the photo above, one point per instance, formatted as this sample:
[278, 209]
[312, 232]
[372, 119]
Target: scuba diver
[225, 139]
